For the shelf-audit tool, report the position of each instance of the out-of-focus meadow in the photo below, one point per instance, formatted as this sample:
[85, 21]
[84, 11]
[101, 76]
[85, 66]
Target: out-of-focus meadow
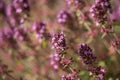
[29, 59]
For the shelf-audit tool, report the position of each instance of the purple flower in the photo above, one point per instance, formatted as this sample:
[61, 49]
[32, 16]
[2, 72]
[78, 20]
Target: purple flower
[86, 54]
[64, 17]
[21, 33]
[12, 17]
[17, 12]
[77, 4]
[59, 42]
[71, 76]
[98, 72]
[99, 11]
[21, 6]
[68, 77]
[8, 37]
[55, 60]
[40, 29]
[115, 16]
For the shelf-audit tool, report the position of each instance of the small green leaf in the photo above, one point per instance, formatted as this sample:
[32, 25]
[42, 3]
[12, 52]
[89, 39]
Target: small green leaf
[82, 73]
[44, 44]
[102, 63]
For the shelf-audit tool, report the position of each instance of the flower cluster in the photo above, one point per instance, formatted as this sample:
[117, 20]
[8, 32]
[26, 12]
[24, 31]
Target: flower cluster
[59, 42]
[40, 29]
[8, 36]
[12, 17]
[59, 45]
[21, 6]
[55, 60]
[68, 77]
[86, 54]
[99, 72]
[99, 11]
[116, 13]
[71, 76]
[64, 17]
[17, 12]
[77, 3]
[20, 33]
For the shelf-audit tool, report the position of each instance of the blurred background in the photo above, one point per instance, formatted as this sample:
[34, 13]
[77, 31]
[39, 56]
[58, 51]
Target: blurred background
[28, 57]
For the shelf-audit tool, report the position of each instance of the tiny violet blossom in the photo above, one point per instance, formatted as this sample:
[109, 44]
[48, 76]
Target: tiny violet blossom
[99, 11]
[63, 17]
[86, 54]
[59, 42]
[55, 61]
[40, 29]
[98, 72]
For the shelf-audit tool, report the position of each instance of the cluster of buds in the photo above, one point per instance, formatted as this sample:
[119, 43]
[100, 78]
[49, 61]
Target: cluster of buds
[68, 77]
[21, 6]
[59, 45]
[59, 42]
[17, 12]
[64, 17]
[71, 76]
[12, 17]
[86, 54]
[40, 29]
[116, 13]
[7, 35]
[55, 60]
[20, 33]
[99, 11]
[98, 72]
[76, 3]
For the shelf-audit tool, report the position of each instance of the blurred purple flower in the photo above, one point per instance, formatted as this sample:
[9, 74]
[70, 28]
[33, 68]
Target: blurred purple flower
[8, 37]
[55, 60]
[40, 29]
[21, 6]
[64, 17]
[115, 16]
[71, 76]
[12, 17]
[98, 72]
[21, 34]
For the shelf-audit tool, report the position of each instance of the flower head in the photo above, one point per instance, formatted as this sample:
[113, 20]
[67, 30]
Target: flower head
[55, 60]
[59, 42]
[63, 17]
[40, 29]
[99, 11]
[99, 72]
[86, 54]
